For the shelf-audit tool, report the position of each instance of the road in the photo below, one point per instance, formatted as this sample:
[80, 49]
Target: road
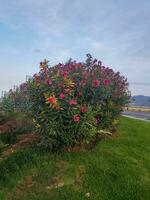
[138, 115]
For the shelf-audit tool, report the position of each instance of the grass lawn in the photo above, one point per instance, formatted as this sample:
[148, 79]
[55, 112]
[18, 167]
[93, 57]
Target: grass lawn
[116, 169]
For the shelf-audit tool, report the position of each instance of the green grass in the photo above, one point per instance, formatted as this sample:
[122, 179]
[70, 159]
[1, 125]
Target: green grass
[116, 169]
[8, 138]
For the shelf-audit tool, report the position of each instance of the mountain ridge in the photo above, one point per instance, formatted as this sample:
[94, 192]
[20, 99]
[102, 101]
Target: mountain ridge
[140, 100]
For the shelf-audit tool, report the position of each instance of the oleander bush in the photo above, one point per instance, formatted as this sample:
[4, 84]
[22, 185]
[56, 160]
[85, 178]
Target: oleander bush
[73, 102]
[6, 106]
[16, 102]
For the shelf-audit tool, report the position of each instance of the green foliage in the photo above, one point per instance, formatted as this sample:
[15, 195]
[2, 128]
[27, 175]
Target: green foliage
[60, 131]
[3, 119]
[26, 128]
[7, 104]
[2, 146]
[8, 138]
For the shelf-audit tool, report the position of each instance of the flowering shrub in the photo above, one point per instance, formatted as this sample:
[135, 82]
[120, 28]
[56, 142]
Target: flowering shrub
[16, 100]
[72, 102]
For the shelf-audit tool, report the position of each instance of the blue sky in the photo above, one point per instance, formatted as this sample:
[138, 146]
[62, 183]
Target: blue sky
[114, 31]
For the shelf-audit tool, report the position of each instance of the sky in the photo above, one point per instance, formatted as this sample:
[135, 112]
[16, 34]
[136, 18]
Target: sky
[114, 31]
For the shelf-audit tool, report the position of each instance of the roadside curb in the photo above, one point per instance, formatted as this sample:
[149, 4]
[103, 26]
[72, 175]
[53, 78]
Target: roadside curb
[146, 120]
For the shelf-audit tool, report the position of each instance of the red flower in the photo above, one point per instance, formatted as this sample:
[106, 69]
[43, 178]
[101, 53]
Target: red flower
[52, 100]
[61, 96]
[106, 82]
[73, 102]
[83, 109]
[65, 74]
[49, 82]
[96, 83]
[76, 118]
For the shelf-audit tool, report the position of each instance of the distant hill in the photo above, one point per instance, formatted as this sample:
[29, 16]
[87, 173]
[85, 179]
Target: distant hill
[140, 100]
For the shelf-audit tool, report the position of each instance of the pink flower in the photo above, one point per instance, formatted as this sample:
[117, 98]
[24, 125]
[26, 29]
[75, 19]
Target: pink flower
[61, 96]
[96, 83]
[49, 82]
[72, 102]
[76, 118]
[65, 74]
[83, 109]
[106, 82]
